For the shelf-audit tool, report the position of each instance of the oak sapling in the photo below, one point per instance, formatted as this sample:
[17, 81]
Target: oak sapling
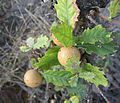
[32, 78]
[66, 53]
[95, 40]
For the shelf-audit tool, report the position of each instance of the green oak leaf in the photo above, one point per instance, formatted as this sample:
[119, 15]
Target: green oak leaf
[114, 8]
[24, 49]
[41, 42]
[73, 81]
[75, 99]
[79, 90]
[33, 43]
[93, 74]
[99, 49]
[48, 60]
[96, 40]
[87, 72]
[96, 34]
[67, 11]
[63, 33]
[58, 78]
[30, 42]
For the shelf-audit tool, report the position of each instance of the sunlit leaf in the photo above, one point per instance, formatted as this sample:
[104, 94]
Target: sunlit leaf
[75, 99]
[41, 42]
[73, 81]
[114, 8]
[67, 11]
[30, 42]
[63, 33]
[24, 49]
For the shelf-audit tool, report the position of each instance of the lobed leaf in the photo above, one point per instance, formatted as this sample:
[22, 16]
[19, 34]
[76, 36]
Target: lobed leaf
[96, 34]
[58, 78]
[49, 59]
[35, 43]
[114, 8]
[24, 49]
[87, 72]
[93, 74]
[63, 33]
[67, 11]
[73, 81]
[99, 49]
[75, 99]
[96, 40]
[79, 90]
[30, 42]
[41, 42]
[66, 101]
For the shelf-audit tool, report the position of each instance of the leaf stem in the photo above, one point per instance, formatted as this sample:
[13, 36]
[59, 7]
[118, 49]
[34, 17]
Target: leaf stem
[105, 98]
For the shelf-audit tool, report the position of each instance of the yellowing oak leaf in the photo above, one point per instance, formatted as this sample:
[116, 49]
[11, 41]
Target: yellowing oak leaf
[67, 11]
[114, 8]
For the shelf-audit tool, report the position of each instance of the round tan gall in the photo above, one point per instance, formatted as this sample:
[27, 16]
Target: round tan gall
[32, 78]
[68, 52]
